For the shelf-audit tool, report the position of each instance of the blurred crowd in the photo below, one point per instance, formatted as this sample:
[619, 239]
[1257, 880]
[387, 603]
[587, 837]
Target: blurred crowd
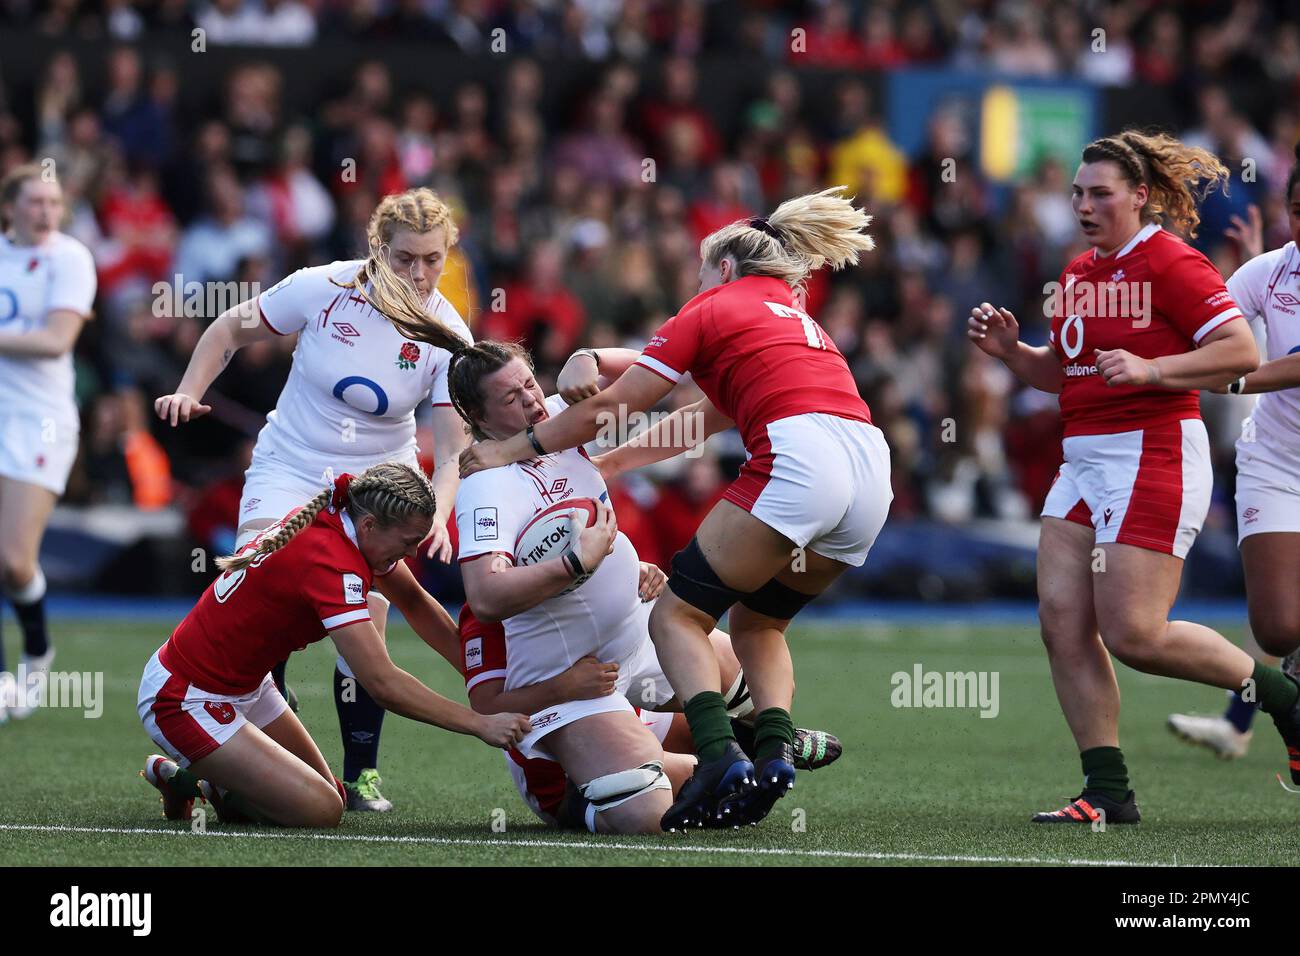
[580, 224]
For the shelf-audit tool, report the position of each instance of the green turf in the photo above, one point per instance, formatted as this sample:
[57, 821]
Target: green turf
[913, 784]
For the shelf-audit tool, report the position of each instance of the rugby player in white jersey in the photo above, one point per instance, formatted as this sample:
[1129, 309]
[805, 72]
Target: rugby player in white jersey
[47, 287]
[623, 779]
[1267, 288]
[375, 337]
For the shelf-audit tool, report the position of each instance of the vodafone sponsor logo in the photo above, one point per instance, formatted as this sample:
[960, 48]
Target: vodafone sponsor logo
[1075, 370]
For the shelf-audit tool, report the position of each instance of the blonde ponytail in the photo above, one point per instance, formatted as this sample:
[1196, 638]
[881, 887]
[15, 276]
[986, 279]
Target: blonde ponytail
[801, 236]
[282, 536]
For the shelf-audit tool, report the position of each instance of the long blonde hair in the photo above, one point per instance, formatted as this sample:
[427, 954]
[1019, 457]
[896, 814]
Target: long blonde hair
[420, 210]
[390, 491]
[1177, 176]
[801, 236]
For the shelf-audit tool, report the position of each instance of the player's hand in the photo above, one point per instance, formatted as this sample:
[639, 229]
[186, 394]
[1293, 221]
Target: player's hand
[608, 464]
[1248, 233]
[652, 581]
[994, 330]
[481, 456]
[597, 539]
[502, 730]
[578, 379]
[179, 407]
[1118, 367]
[588, 678]
[439, 542]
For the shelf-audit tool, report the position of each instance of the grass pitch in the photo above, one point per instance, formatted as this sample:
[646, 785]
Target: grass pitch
[927, 786]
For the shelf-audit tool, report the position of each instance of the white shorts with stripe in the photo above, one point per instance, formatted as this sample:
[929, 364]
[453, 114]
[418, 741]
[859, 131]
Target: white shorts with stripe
[822, 481]
[189, 723]
[1149, 487]
[1268, 484]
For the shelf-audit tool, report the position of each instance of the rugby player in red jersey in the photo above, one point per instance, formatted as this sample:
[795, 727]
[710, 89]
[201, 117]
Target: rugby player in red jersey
[807, 505]
[1134, 486]
[207, 698]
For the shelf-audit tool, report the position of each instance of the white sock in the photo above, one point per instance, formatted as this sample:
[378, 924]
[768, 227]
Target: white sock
[31, 592]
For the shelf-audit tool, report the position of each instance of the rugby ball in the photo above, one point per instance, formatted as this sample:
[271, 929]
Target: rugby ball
[552, 532]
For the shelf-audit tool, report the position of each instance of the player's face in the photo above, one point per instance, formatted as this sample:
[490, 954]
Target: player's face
[1107, 208]
[512, 400]
[382, 546]
[36, 211]
[419, 257]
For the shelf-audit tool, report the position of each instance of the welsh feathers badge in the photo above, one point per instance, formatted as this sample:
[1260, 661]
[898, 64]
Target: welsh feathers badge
[408, 356]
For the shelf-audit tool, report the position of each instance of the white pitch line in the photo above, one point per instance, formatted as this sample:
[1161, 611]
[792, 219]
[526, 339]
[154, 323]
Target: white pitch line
[573, 845]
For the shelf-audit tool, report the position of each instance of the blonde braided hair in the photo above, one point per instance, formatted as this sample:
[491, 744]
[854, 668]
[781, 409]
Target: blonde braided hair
[390, 491]
[419, 210]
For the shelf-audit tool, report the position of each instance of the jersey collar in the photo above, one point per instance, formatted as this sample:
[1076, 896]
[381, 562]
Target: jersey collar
[349, 528]
[1143, 234]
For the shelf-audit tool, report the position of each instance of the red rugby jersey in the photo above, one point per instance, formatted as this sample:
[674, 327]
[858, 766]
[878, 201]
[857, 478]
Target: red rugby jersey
[248, 621]
[1155, 296]
[757, 357]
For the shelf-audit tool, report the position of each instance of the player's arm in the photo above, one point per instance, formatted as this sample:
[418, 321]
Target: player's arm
[636, 390]
[396, 690]
[586, 679]
[997, 333]
[62, 326]
[588, 371]
[1224, 355]
[449, 440]
[236, 327]
[496, 589]
[1274, 376]
[426, 616]
[684, 429]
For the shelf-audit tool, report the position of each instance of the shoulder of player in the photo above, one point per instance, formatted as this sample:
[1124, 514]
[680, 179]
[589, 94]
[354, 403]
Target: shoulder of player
[68, 250]
[325, 543]
[491, 482]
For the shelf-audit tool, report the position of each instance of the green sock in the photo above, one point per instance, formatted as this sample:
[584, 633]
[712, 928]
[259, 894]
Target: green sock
[1274, 691]
[236, 809]
[1104, 770]
[773, 729]
[706, 713]
[185, 784]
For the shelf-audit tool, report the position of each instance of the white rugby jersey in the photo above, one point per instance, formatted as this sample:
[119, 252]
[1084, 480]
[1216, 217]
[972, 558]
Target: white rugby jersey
[1267, 288]
[35, 281]
[603, 617]
[355, 380]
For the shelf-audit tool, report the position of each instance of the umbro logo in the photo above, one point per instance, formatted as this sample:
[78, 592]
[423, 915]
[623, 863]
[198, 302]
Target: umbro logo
[1286, 298]
[559, 485]
[347, 329]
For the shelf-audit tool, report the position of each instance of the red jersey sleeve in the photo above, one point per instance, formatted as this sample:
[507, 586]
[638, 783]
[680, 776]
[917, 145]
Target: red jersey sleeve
[673, 349]
[336, 586]
[1194, 298]
[483, 646]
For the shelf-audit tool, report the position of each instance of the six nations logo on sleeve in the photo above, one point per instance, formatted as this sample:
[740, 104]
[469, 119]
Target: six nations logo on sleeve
[485, 524]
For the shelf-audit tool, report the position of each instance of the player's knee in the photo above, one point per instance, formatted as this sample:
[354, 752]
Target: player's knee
[630, 801]
[324, 810]
[1134, 640]
[1277, 629]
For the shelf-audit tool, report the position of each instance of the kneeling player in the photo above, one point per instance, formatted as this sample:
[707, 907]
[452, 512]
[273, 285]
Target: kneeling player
[542, 781]
[206, 697]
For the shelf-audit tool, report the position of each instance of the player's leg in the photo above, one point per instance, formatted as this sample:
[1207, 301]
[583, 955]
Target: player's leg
[1081, 668]
[268, 782]
[24, 512]
[1226, 735]
[1272, 565]
[361, 720]
[603, 755]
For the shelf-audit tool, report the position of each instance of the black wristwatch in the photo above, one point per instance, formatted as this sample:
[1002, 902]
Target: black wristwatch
[1238, 386]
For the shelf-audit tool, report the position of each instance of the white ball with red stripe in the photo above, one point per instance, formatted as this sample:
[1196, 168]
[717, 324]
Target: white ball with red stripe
[553, 532]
